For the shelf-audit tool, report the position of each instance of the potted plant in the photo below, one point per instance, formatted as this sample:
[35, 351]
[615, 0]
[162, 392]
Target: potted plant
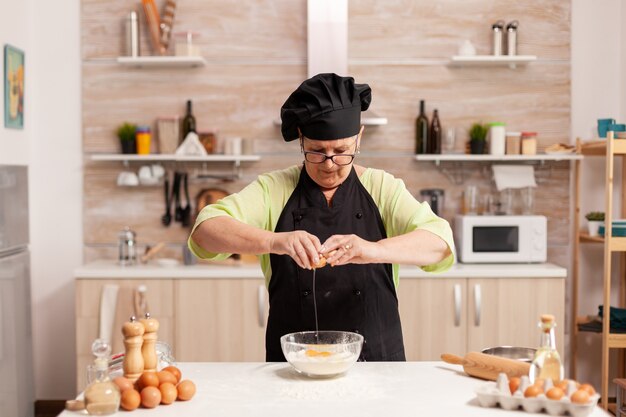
[126, 133]
[594, 220]
[478, 138]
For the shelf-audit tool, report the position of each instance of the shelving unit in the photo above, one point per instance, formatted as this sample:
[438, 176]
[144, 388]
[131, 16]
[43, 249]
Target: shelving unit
[491, 60]
[162, 61]
[611, 149]
[496, 158]
[236, 161]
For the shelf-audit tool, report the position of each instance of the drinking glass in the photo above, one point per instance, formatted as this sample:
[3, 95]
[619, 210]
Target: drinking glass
[528, 200]
[471, 199]
[449, 140]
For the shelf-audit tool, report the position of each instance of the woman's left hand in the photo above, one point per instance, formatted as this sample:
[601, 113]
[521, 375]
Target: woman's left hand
[349, 249]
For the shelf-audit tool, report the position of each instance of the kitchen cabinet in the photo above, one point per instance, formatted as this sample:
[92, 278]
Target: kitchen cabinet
[469, 314]
[220, 320]
[160, 303]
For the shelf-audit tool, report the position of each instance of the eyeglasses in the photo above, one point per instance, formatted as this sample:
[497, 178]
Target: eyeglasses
[338, 159]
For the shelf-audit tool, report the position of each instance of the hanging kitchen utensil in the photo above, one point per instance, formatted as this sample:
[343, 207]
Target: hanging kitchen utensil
[166, 219]
[178, 211]
[186, 221]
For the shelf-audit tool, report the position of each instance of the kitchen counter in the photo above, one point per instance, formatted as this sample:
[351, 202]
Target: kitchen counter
[368, 389]
[111, 270]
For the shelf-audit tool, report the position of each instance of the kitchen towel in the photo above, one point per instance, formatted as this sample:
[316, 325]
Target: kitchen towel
[514, 176]
[618, 316]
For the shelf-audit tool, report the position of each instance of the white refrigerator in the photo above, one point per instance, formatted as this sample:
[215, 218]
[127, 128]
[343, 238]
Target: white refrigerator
[17, 392]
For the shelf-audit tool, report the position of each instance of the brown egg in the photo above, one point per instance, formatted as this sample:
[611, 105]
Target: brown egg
[589, 388]
[168, 393]
[147, 379]
[514, 384]
[123, 383]
[165, 376]
[580, 397]
[555, 393]
[562, 384]
[539, 382]
[175, 371]
[186, 390]
[150, 397]
[533, 391]
[130, 399]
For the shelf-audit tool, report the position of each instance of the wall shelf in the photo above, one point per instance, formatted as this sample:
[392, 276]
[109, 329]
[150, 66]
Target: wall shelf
[162, 61]
[496, 158]
[115, 157]
[491, 60]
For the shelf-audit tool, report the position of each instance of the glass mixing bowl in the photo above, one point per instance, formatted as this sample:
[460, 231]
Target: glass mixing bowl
[322, 354]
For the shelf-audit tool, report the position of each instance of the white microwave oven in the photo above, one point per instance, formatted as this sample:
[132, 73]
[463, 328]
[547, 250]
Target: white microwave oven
[501, 239]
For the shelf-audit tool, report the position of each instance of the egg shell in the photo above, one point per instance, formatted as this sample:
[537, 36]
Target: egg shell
[514, 383]
[186, 390]
[147, 379]
[533, 391]
[130, 399]
[589, 388]
[123, 383]
[175, 371]
[168, 393]
[555, 393]
[150, 397]
[165, 376]
[580, 397]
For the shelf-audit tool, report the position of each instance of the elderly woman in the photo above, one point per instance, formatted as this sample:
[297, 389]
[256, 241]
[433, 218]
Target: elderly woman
[362, 221]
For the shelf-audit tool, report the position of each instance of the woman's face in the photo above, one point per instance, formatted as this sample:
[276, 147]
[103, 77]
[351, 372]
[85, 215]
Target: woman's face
[329, 174]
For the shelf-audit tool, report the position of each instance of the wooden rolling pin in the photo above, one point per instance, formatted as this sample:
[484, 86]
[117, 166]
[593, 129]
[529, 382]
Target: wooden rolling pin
[488, 367]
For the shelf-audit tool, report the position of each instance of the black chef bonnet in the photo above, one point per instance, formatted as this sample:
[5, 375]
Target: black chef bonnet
[325, 107]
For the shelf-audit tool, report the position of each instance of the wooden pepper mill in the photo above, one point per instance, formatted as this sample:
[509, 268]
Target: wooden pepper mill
[133, 339]
[148, 350]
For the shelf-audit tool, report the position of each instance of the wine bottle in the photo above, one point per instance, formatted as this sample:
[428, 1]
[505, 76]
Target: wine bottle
[434, 136]
[189, 122]
[421, 131]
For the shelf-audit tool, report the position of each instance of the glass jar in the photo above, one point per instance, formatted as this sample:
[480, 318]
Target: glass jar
[143, 138]
[529, 143]
[184, 44]
[168, 128]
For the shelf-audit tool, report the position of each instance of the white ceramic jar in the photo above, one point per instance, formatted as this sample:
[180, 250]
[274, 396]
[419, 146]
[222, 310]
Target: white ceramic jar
[497, 138]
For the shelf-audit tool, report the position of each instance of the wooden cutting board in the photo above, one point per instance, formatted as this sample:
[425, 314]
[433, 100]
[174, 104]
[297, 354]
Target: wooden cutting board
[488, 367]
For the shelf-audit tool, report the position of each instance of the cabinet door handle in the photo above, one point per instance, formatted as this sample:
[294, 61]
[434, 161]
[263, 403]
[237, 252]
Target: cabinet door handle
[477, 304]
[261, 306]
[457, 305]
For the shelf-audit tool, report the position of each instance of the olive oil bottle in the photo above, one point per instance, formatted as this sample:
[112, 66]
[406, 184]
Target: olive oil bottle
[547, 362]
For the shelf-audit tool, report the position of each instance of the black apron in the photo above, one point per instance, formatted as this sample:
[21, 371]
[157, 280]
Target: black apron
[356, 298]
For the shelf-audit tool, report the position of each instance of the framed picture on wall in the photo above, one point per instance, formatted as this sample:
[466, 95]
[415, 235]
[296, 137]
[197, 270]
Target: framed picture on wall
[13, 87]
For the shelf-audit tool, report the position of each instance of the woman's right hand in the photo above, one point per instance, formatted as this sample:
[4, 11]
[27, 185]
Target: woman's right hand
[303, 247]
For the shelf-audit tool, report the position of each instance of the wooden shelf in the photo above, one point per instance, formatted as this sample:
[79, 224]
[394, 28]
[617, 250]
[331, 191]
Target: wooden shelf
[598, 147]
[172, 158]
[585, 237]
[617, 340]
[162, 61]
[491, 60]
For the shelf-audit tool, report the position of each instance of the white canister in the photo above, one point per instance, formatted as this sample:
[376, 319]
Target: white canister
[497, 138]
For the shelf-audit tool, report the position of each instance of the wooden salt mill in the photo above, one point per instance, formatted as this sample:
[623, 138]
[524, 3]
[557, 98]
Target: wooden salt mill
[148, 350]
[133, 339]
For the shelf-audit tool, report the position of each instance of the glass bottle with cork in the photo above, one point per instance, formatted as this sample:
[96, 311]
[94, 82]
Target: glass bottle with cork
[547, 362]
[102, 396]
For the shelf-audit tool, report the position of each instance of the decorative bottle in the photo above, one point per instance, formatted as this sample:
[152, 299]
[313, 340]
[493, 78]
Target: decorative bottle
[102, 396]
[547, 362]
[188, 123]
[434, 135]
[421, 131]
